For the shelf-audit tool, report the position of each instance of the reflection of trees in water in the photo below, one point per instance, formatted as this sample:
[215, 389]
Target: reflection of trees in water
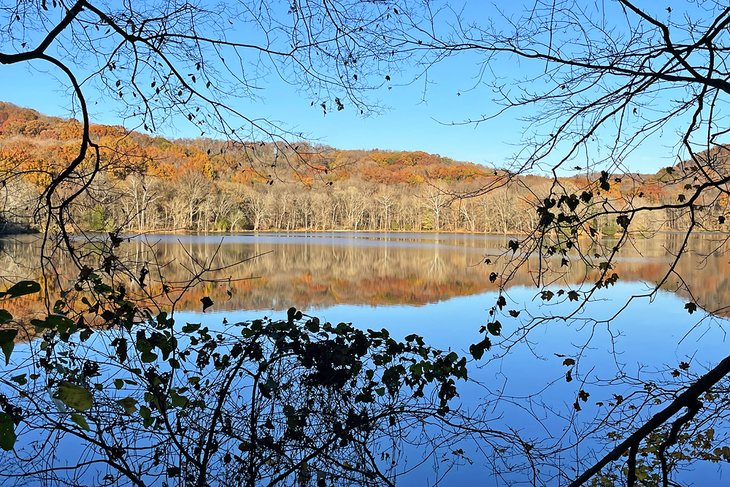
[437, 263]
[319, 271]
[16, 259]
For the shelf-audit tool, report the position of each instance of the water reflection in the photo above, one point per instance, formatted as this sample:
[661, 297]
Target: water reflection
[439, 286]
[315, 271]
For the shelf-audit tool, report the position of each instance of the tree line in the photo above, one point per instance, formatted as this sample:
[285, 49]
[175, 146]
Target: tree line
[204, 185]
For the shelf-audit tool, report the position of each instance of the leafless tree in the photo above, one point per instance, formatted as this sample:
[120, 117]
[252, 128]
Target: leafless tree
[597, 83]
[600, 81]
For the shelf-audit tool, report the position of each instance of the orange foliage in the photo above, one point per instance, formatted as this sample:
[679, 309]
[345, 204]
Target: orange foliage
[39, 146]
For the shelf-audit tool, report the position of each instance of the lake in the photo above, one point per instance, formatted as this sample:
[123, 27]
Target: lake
[438, 285]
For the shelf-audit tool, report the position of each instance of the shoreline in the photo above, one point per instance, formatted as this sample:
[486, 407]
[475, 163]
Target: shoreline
[10, 229]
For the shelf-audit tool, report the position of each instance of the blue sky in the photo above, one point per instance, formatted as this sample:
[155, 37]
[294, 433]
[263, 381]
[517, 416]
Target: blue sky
[407, 121]
[416, 116]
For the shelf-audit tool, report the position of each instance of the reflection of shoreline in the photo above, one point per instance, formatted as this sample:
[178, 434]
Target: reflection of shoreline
[331, 268]
[360, 232]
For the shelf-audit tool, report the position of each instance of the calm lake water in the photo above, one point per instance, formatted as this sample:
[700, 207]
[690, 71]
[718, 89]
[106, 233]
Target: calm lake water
[438, 286]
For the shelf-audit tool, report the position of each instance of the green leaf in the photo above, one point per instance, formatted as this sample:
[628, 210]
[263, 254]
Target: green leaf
[7, 432]
[5, 316]
[80, 420]
[129, 404]
[20, 379]
[144, 411]
[146, 421]
[74, 396]
[21, 289]
[148, 357]
[177, 400]
[7, 343]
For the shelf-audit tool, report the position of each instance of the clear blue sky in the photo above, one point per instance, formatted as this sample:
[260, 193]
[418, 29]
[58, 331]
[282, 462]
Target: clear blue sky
[416, 116]
[406, 123]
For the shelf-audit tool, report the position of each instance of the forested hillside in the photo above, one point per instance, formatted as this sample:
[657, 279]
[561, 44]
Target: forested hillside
[203, 185]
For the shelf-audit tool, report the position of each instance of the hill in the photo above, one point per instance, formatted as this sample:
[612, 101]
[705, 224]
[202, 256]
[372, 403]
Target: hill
[147, 183]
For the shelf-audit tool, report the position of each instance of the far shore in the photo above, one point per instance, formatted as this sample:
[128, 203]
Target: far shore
[14, 230]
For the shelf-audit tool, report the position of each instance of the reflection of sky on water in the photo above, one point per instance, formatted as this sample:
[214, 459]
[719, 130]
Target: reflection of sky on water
[645, 338]
[428, 284]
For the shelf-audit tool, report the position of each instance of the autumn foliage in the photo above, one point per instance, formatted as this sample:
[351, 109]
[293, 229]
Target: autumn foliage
[150, 183]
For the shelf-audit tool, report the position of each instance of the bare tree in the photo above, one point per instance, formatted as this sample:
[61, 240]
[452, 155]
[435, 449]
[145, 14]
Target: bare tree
[598, 82]
[170, 60]
[601, 81]
[163, 62]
